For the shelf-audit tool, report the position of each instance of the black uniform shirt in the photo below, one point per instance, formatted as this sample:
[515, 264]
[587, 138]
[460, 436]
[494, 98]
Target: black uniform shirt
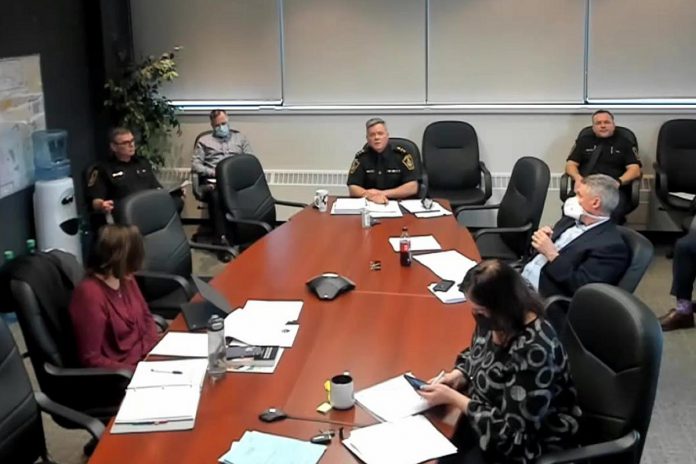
[617, 153]
[114, 179]
[390, 169]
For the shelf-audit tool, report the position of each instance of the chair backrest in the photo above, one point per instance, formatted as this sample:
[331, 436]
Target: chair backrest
[411, 147]
[624, 132]
[614, 346]
[451, 155]
[523, 201]
[244, 194]
[41, 287]
[641, 255]
[166, 245]
[676, 154]
[21, 432]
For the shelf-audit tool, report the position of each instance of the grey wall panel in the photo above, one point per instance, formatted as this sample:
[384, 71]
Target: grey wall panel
[353, 52]
[506, 51]
[231, 49]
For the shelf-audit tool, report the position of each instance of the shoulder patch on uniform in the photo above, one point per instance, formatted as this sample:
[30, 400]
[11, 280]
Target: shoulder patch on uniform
[408, 162]
[635, 150]
[354, 165]
[93, 177]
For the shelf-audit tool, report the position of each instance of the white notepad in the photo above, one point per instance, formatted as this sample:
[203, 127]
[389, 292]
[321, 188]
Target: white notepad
[407, 441]
[392, 399]
[418, 243]
[448, 265]
[182, 344]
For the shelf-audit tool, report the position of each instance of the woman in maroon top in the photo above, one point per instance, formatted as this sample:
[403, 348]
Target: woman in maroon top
[112, 323]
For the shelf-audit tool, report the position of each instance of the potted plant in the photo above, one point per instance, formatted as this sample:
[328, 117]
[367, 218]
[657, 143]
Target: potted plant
[135, 102]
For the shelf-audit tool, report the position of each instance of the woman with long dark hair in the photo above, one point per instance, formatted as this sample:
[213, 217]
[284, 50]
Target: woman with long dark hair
[513, 383]
[112, 324]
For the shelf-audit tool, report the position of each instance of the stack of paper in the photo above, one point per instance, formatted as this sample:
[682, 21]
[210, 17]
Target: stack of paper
[248, 369]
[418, 243]
[265, 323]
[356, 205]
[257, 447]
[392, 399]
[407, 441]
[447, 265]
[162, 395]
[416, 207]
[391, 209]
[348, 205]
[182, 344]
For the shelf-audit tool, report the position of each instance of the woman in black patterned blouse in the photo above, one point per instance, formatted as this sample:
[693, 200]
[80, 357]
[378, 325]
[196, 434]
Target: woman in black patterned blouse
[513, 383]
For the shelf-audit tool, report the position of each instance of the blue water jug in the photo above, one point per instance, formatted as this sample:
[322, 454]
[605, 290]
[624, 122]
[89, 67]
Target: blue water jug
[50, 154]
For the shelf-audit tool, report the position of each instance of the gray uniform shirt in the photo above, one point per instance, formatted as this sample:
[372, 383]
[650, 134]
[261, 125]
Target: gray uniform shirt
[210, 150]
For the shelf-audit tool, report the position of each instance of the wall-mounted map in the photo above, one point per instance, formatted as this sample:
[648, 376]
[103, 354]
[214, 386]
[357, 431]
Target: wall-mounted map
[21, 113]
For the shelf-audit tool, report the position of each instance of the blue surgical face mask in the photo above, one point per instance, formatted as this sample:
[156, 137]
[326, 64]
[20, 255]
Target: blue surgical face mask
[221, 131]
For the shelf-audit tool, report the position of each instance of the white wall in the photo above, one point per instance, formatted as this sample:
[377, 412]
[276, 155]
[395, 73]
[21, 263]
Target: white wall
[329, 141]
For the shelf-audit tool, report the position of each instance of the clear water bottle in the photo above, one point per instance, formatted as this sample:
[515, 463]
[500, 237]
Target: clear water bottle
[365, 218]
[51, 160]
[405, 247]
[217, 365]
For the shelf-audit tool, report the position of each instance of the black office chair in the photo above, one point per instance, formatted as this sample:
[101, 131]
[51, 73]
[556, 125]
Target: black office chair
[249, 206]
[519, 212]
[675, 169]
[452, 165]
[641, 255]
[614, 346]
[165, 279]
[567, 184]
[41, 287]
[22, 439]
[411, 147]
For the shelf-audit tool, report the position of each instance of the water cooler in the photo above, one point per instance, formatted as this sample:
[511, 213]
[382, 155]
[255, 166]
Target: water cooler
[55, 209]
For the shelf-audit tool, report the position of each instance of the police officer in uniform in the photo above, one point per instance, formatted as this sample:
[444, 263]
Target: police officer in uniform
[605, 152]
[122, 174]
[382, 171]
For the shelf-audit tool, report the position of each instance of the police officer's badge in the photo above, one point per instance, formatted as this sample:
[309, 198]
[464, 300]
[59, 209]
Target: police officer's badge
[93, 178]
[354, 166]
[408, 162]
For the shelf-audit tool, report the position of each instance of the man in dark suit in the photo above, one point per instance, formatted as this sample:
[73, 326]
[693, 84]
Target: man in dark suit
[584, 246]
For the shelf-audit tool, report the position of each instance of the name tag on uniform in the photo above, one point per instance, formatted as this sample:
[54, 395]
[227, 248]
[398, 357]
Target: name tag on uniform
[117, 174]
[393, 171]
[370, 171]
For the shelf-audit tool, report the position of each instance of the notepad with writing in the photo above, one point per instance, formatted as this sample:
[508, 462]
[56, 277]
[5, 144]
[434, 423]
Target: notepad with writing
[162, 396]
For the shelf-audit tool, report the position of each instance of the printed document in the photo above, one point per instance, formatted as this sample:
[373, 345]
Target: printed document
[449, 265]
[392, 399]
[182, 344]
[407, 441]
[418, 243]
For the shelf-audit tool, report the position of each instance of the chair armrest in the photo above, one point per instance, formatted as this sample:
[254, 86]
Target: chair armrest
[661, 182]
[474, 208]
[196, 186]
[563, 186]
[487, 181]
[252, 222]
[503, 230]
[553, 299]
[183, 283]
[635, 192]
[583, 453]
[294, 204]
[210, 247]
[161, 322]
[102, 372]
[92, 425]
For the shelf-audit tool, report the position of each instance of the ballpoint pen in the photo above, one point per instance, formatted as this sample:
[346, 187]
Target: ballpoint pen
[161, 371]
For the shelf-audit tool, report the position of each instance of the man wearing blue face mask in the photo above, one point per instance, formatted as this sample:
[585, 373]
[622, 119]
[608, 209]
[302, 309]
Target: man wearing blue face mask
[584, 246]
[210, 149]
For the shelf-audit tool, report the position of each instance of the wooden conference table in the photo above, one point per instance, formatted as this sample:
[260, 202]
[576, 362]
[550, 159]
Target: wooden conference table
[388, 325]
